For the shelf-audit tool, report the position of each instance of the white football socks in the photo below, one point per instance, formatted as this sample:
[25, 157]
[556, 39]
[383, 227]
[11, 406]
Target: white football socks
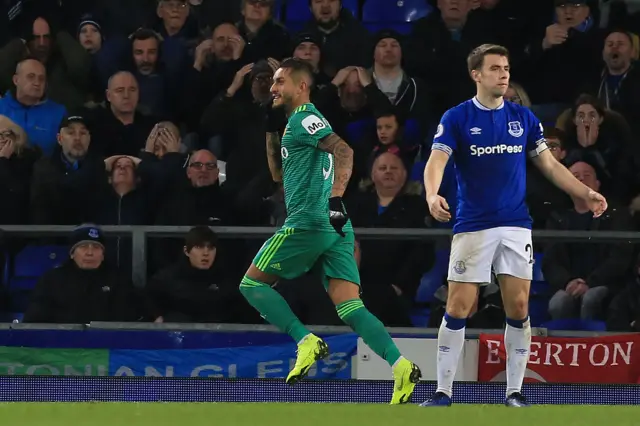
[517, 342]
[450, 344]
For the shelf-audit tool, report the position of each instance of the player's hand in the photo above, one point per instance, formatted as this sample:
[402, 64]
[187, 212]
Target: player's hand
[439, 208]
[554, 35]
[337, 215]
[597, 203]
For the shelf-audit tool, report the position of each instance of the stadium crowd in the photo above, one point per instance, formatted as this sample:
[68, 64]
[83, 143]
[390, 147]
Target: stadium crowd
[154, 112]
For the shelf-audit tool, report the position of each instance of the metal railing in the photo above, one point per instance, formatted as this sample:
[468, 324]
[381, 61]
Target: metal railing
[139, 236]
[408, 332]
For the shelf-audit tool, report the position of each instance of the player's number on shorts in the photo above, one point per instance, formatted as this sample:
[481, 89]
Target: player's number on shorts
[529, 250]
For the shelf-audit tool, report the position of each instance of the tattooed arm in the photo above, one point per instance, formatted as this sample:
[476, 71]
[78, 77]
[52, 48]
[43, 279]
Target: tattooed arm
[273, 156]
[342, 162]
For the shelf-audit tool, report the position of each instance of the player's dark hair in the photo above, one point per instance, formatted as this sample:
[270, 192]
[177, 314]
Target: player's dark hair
[298, 67]
[475, 60]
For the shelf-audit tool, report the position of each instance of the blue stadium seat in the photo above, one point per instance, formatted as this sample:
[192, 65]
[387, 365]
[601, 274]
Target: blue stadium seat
[417, 172]
[432, 280]
[357, 130]
[395, 10]
[538, 284]
[420, 317]
[412, 133]
[28, 265]
[537, 267]
[33, 261]
[403, 28]
[575, 325]
[297, 12]
[11, 317]
[295, 26]
[538, 310]
[277, 10]
[548, 113]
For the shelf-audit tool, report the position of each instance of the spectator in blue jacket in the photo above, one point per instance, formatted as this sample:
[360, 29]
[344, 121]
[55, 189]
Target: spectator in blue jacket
[28, 107]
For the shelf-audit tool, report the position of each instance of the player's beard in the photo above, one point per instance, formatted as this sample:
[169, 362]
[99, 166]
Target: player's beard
[286, 102]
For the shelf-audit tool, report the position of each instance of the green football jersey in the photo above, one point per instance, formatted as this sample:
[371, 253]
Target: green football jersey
[307, 171]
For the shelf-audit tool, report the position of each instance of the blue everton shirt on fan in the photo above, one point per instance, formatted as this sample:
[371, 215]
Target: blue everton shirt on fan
[489, 149]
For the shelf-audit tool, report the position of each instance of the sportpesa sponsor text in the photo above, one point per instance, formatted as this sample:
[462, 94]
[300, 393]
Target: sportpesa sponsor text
[479, 151]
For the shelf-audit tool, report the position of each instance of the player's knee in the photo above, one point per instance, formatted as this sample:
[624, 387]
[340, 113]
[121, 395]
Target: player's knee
[341, 291]
[459, 309]
[255, 278]
[248, 284]
[461, 299]
[517, 307]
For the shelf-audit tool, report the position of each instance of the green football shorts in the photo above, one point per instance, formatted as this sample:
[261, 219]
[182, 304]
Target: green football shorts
[291, 253]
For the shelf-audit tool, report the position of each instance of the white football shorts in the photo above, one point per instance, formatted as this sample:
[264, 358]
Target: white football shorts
[506, 249]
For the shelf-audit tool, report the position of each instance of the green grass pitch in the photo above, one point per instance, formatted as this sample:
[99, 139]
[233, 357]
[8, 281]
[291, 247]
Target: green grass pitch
[270, 414]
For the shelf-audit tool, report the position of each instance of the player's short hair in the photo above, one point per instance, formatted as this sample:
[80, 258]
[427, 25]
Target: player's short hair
[475, 60]
[298, 68]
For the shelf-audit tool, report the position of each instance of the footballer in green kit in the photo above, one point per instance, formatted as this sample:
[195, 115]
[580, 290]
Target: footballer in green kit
[314, 165]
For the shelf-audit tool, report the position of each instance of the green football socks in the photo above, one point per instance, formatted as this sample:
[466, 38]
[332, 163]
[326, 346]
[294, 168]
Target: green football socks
[372, 331]
[273, 308]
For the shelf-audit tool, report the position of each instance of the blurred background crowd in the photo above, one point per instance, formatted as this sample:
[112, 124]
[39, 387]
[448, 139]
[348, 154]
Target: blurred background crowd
[150, 112]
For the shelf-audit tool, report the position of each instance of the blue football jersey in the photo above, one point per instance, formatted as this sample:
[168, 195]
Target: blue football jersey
[489, 149]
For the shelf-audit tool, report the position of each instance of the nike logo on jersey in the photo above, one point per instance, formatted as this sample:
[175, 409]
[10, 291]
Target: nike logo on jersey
[327, 173]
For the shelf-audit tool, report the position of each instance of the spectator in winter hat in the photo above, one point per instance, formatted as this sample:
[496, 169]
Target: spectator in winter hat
[90, 34]
[345, 40]
[67, 63]
[308, 47]
[409, 96]
[84, 288]
[87, 246]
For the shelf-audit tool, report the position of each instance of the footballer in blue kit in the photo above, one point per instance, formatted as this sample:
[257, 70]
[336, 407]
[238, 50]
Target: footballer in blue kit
[489, 140]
